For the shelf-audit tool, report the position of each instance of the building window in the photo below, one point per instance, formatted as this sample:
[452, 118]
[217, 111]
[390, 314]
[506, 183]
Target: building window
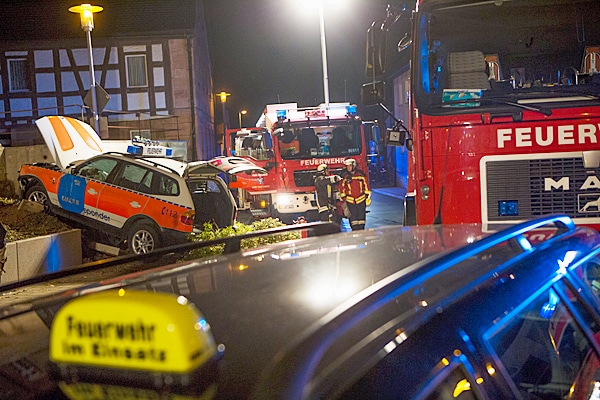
[17, 75]
[137, 73]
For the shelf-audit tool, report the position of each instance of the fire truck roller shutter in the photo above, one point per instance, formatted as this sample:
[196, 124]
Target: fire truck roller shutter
[468, 70]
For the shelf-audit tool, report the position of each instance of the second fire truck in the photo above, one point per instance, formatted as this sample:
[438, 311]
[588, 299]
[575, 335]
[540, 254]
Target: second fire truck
[290, 143]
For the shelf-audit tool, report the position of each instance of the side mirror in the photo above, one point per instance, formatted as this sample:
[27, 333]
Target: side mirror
[270, 165]
[398, 136]
[395, 137]
[376, 40]
[372, 94]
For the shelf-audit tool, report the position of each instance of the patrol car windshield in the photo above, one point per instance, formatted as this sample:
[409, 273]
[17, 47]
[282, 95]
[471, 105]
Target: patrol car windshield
[507, 54]
[320, 141]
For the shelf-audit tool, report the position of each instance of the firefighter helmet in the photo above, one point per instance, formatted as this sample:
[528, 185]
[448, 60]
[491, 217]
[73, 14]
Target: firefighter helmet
[322, 168]
[350, 161]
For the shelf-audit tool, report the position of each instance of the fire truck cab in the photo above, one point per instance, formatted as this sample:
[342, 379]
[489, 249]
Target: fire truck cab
[503, 111]
[290, 143]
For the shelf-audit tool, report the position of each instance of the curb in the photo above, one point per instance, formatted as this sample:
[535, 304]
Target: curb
[41, 255]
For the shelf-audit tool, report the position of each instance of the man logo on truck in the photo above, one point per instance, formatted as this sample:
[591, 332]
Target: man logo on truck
[594, 204]
[591, 182]
[587, 202]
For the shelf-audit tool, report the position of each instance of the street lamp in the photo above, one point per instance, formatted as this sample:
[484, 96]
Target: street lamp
[324, 55]
[86, 12]
[242, 112]
[320, 4]
[223, 95]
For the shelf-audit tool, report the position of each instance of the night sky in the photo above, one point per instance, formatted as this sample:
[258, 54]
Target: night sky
[262, 51]
[269, 51]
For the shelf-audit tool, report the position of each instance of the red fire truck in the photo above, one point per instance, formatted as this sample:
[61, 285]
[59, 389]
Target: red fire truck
[290, 143]
[504, 109]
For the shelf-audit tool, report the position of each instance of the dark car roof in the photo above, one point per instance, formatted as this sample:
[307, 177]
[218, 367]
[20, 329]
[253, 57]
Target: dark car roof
[285, 300]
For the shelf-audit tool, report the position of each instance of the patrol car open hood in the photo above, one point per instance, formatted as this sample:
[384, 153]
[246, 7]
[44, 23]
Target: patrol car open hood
[228, 165]
[68, 139]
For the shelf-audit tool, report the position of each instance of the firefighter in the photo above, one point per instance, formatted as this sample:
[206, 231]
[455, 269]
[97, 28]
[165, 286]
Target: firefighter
[355, 192]
[324, 188]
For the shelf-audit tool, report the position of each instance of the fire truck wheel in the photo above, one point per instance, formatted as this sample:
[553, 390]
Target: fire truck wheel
[38, 194]
[142, 238]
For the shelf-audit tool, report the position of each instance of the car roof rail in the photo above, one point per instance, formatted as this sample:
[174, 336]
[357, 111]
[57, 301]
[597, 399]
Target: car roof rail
[289, 377]
[143, 158]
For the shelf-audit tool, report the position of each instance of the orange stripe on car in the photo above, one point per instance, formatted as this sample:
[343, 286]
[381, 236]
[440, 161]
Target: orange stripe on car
[85, 135]
[64, 140]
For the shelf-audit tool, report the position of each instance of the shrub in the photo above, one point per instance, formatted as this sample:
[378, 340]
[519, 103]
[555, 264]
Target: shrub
[209, 232]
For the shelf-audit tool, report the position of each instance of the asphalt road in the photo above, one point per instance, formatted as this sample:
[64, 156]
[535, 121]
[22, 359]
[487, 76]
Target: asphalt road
[387, 208]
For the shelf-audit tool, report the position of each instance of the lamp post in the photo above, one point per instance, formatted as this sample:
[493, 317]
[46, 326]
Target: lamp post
[86, 12]
[223, 95]
[242, 112]
[324, 55]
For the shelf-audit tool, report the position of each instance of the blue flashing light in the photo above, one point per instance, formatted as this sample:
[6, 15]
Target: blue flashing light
[465, 337]
[508, 208]
[524, 242]
[549, 307]
[135, 150]
[547, 310]
[169, 152]
[281, 114]
[351, 110]
[203, 323]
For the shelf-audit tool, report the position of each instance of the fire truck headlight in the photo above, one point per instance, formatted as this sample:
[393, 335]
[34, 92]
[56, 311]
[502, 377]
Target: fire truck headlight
[425, 192]
[284, 200]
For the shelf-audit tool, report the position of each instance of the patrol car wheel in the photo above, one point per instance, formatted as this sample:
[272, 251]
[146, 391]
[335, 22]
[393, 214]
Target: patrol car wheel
[38, 194]
[143, 238]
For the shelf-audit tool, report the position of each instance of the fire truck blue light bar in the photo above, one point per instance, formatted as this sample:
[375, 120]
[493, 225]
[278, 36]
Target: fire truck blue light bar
[508, 208]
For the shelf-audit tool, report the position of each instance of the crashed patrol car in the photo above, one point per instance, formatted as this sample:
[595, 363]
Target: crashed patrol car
[141, 201]
[426, 312]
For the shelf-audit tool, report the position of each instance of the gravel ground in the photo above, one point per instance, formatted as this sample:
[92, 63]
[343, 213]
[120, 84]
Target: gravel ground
[20, 223]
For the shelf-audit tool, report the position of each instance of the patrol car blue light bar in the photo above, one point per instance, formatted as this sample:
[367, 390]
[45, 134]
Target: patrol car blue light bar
[135, 150]
[351, 110]
[156, 151]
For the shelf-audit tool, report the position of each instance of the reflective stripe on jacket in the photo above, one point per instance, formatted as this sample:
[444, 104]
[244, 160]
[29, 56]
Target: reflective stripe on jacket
[355, 188]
